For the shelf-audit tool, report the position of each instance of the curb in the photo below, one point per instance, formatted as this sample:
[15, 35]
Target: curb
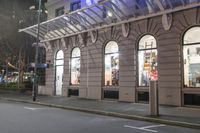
[113, 114]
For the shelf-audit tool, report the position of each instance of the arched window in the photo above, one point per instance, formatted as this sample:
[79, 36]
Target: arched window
[147, 60]
[59, 63]
[75, 66]
[191, 55]
[111, 64]
[59, 57]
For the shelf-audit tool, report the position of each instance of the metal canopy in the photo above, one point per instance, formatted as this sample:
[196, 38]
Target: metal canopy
[105, 14]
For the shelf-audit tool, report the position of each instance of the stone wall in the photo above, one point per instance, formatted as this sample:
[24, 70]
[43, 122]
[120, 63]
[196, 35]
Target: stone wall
[169, 45]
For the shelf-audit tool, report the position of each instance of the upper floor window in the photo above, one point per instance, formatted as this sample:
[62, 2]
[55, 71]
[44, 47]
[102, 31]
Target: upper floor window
[75, 6]
[60, 11]
[111, 64]
[191, 55]
[90, 2]
[147, 60]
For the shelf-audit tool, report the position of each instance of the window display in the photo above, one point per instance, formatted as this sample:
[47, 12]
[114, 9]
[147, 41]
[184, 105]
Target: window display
[111, 64]
[147, 60]
[191, 55]
[75, 67]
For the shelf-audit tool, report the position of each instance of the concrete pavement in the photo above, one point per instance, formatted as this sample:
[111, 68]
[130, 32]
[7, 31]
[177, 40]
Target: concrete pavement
[180, 116]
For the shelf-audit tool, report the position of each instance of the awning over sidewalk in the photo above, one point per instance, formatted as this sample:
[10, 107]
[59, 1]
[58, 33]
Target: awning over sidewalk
[105, 14]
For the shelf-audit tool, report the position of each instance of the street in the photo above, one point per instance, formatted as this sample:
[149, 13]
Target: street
[28, 118]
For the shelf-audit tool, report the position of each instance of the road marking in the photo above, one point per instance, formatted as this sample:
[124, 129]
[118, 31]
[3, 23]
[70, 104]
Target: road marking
[32, 108]
[146, 128]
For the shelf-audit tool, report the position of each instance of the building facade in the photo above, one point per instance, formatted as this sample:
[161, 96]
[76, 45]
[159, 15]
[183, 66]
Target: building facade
[118, 61]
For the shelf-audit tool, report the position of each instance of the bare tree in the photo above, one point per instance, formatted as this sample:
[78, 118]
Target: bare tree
[16, 48]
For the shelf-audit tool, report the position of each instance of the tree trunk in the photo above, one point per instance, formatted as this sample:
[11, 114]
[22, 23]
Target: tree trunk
[21, 67]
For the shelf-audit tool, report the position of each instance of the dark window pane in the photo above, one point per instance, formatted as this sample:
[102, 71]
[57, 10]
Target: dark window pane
[143, 96]
[73, 92]
[111, 94]
[60, 11]
[192, 99]
[75, 6]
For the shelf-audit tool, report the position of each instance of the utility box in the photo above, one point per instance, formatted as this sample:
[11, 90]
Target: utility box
[153, 98]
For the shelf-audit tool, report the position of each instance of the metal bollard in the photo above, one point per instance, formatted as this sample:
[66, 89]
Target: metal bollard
[153, 98]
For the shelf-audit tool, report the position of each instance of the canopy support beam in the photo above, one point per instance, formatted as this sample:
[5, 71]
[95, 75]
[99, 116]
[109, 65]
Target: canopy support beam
[166, 18]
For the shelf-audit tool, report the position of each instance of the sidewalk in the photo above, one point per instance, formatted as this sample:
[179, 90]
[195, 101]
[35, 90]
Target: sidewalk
[180, 116]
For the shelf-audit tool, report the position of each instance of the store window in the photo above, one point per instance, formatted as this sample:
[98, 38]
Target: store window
[60, 11]
[191, 55]
[75, 66]
[111, 64]
[147, 60]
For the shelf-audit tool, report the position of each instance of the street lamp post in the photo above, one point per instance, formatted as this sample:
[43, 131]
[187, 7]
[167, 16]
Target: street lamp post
[35, 84]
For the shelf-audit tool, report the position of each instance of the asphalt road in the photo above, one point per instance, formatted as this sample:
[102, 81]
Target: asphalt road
[28, 118]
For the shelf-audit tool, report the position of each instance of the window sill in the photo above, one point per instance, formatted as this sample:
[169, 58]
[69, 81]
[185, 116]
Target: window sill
[74, 87]
[191, 90]
[143, 88]
[111, 88]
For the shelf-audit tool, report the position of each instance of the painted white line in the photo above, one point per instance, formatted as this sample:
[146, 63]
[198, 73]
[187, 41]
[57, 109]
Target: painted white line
[149, 130]
[32, 108]
[138, 128]
[145, 128]
[153, 126]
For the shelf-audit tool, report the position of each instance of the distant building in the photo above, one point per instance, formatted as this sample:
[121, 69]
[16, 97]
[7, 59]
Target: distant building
[112, 49]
